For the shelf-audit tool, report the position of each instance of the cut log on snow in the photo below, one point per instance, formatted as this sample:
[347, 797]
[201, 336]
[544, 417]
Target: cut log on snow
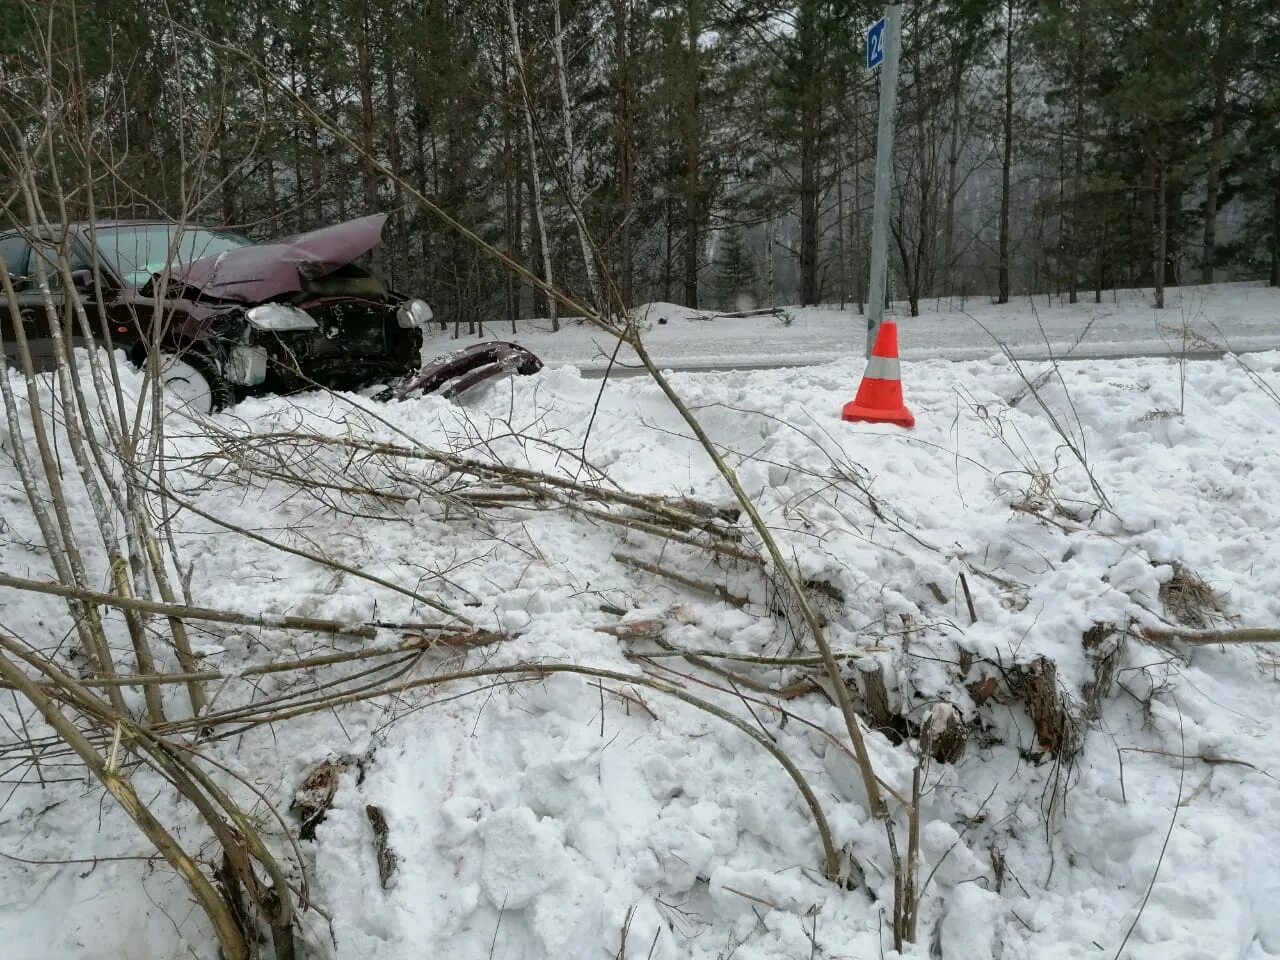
[702, 586]
[1058, 719]
[875, 694]
[1062, 715]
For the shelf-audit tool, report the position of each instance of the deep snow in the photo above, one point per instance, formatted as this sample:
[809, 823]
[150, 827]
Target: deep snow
[542, 820]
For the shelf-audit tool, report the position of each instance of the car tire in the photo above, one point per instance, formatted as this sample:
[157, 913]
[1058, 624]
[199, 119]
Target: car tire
[191, 383]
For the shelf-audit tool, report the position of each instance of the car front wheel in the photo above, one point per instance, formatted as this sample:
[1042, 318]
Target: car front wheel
[191, 384]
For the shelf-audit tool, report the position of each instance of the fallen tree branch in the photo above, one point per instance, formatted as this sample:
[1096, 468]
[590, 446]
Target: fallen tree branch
[1203, 638]
[182, 610]
[702, 586]
[412, 644]
[809, 661]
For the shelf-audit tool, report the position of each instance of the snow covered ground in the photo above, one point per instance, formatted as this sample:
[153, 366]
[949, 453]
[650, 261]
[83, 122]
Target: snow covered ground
[569, 818]
[1236, 316]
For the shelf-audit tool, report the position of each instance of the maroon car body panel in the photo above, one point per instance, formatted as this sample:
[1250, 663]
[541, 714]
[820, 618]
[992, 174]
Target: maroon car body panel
[264, 271]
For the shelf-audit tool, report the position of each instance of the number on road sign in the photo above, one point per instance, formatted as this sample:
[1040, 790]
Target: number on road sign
[875, 44]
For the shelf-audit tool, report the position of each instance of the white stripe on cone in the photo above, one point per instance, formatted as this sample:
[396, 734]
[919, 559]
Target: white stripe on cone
[883, 368]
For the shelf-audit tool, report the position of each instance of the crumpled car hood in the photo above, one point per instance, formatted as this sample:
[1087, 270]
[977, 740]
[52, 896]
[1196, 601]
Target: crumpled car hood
[264, 271]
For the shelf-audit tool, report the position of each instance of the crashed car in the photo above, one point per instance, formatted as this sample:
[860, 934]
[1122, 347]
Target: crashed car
[242, 318]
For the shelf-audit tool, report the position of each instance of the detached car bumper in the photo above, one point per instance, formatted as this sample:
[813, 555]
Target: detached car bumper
[464, 368]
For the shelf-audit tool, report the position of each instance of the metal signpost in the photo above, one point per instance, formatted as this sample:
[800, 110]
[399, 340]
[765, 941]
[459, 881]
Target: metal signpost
[884, 40]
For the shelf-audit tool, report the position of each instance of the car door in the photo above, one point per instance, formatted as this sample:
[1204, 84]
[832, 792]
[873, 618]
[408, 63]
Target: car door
[15, 251]
[35, 317]
[80, 265]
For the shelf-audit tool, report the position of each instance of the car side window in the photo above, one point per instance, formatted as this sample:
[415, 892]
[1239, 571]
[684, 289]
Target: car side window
[14, 252]
[76, 260]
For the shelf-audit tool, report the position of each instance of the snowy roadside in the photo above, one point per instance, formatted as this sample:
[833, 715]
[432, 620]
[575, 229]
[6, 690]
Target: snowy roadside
[570, 818]
[1237, 316]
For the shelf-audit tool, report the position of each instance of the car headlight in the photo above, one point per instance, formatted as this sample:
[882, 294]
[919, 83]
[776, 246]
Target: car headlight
[414, 313]
[280, 317]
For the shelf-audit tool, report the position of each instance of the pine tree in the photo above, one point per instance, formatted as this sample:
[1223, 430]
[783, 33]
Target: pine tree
[736, 276]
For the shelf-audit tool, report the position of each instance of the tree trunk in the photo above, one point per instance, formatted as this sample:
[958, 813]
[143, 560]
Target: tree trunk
[1162, 234]
[811, 83]
[1173, 193]
[1100, 275]
[424, 266]
[910, 273]
[623, 139]
[536, 181]
[1217, 141]
[316, 160]
[226, 181]
[840, 250]
[1057, 268]
[1077, 175]
[1006, 161]
[509, 180]
[524, 293]
[299, 189]
[364, 77]
[273, 202]
[808, 205]
[573, 169]
[692, 129]
[225, 177]
[769, 263]
[1275, 235]
[668, 257]
[859, 266]
[1144, 273]
[394, 257]
[317, 179]
[953, 161]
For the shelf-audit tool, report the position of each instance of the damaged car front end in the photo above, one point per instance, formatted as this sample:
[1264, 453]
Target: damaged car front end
[300, 314]
[218, 318]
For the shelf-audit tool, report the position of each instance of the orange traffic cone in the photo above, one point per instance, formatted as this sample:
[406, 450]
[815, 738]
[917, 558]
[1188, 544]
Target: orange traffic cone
[879, 398]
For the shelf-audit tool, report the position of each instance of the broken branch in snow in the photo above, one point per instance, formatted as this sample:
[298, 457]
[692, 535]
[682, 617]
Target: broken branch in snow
[968, 599]
[703, 586]
[681, 520]
[448, 638]
[279, 621]
[1203, 638]
[633, 629]
[809, 661]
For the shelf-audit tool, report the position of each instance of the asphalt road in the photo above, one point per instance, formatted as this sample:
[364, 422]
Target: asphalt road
[619, 370]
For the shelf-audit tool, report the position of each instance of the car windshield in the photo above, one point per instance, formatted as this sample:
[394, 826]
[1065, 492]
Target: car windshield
[138, 251]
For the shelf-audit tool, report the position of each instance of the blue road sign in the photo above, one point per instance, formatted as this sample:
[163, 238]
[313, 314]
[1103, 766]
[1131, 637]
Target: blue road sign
[875, 44]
